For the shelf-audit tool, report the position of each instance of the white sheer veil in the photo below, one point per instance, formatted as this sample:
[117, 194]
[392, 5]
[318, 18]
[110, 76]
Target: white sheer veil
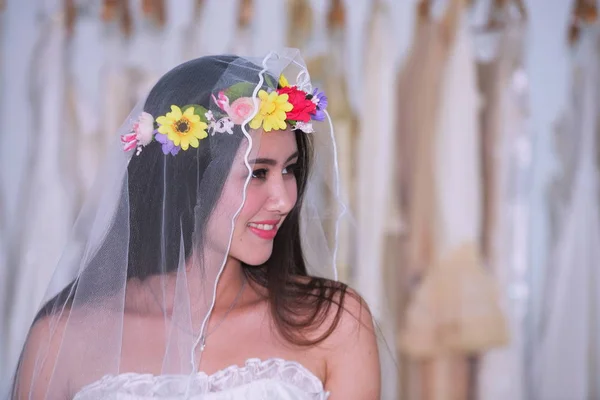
[155, 233]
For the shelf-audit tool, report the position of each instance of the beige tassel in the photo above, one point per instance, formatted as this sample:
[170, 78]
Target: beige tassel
[246, 13]
[300, 23]
[114, 9]
[583, 12]
[455, 310]
[109, 10]
[337, 15]
[70, 15]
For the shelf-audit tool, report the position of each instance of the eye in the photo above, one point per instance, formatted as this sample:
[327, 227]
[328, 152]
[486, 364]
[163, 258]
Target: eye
[290, 169]
[260, 174]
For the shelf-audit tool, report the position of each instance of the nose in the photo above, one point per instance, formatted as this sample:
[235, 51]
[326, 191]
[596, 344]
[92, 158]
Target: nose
[281, 195]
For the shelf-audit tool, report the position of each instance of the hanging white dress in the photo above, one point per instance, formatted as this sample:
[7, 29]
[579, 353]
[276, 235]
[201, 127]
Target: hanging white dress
[86, 85]
[317, 42]
[3, 227]
[373, 190]
[567, 351]
[215, 30]
[48, 218]
[374, 153]
[175, 48]
[457, 162]
[269, 26]
[118, 92]
[466, 293]
[502, 371]
[357, 13]
[18, 18]
[346, 132]
[243, 40]
[455, 311]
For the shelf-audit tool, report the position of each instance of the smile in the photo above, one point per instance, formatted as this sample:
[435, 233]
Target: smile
[264, 229]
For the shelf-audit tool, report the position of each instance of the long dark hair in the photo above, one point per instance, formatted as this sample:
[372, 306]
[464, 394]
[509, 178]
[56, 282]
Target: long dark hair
[164, 206]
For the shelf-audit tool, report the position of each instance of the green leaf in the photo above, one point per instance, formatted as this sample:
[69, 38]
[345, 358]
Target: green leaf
[241, 89]
[271, 82]
[198, 110]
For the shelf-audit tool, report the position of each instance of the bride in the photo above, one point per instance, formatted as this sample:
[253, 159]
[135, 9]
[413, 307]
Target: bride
[199, 267]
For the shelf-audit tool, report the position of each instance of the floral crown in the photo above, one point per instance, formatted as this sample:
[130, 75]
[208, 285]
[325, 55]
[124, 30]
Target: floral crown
[184, 127]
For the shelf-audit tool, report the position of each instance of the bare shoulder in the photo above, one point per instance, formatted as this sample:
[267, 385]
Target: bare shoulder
[44, 337]
[348, 311]
[355, 318]
[350, 348]
[51, 364]
[353, 369]
[352, 323]
[39, 357]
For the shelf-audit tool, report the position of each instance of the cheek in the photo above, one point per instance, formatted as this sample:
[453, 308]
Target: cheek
[256, 199]
[253, 204]
[218, 230]
[222, 215]
[291, 188]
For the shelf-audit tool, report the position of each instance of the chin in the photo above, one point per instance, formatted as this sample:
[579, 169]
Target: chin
[256, 259]
[255, 256]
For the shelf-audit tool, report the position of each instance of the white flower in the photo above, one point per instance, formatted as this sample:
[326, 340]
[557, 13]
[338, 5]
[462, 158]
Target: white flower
[228, 125]
[209, 115]
[221, 126]
[144, 129]
[305, 127]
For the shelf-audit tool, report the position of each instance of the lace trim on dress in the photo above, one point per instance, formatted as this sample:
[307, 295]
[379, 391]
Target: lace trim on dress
[231, 377]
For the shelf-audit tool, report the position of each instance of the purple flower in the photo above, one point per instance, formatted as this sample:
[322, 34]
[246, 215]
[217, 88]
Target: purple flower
[320, 100]
[167, 145]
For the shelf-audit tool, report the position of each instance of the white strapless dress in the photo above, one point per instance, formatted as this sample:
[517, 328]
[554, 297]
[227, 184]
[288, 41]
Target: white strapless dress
[257, 380]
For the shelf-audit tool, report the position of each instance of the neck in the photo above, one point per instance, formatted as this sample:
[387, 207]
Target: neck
[196, 285]
[230, 283]
[201, 281]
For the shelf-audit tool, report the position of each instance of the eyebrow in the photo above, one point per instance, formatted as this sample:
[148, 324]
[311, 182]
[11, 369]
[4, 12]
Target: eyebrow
[270, 161]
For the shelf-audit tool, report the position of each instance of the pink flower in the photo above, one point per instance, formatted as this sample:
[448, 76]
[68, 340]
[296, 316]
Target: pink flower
[141, 134]
[222, 101]
[144, 129]
[129, 141]
[240, 110]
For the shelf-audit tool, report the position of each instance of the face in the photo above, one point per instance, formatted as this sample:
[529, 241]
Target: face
[270, 196]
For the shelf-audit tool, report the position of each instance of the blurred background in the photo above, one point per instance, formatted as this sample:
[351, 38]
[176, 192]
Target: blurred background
[468, 141]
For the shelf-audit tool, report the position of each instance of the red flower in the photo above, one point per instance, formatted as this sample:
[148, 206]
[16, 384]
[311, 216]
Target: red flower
[303, 108]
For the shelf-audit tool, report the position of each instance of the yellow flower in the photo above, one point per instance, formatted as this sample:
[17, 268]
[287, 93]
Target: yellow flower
[283, 82]
[183, 129]
[272, 112]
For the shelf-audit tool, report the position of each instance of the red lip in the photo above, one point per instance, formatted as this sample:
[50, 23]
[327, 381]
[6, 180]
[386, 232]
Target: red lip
[263, 234]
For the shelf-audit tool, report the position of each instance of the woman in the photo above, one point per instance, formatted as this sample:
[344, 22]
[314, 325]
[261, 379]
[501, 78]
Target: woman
[193, 271]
